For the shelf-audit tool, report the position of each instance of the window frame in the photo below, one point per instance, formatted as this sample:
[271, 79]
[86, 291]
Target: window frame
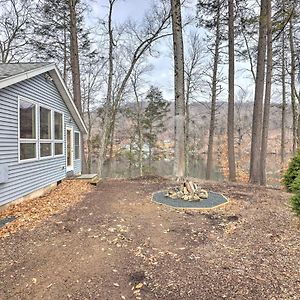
[79, 145]
[24, 140]
[45, 141]
[63, 134]
[38, 141]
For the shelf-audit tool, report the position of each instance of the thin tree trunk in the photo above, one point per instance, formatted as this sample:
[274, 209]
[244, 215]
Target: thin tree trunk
[266, 117]
[140, 132]
[75, 71]
[296, 127]
[130, 158]
[258, 98]
[283, 108]
[107, 107]
[230, 117]
[111, 150]
[187, 124]
[210, 149]
[65, 52]
[179, 157]
[150, 151]
[75, 56]
[89, 137]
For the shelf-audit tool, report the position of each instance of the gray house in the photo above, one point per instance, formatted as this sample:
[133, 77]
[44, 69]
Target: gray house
[40, 130]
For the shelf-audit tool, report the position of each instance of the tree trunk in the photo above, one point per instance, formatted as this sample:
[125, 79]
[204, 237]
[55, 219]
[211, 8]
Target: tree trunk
[140, 134]
[179, 157]
[258, 98]
[266, 117]
[210, 149]
[111, 150]
[187, 124]
[130, 158]
[74, 55]
[283, 108]
[75, 71]
[230, 117]
[103, 136]
[89, 137]
[296, 132]
[65, 51]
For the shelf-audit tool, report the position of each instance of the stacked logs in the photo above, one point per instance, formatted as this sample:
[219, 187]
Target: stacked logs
[188, 191]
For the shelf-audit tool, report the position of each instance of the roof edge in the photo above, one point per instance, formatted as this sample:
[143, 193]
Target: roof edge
[64, 91]
[25, 75]
[59, 82]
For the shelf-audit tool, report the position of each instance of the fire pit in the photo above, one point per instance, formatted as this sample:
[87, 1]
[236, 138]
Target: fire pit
[189, 195]
[188, 191]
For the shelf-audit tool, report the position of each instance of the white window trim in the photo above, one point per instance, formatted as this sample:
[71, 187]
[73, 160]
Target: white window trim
[49, 156]
[37, 140]
[76, 131]
[71, 167]
[28, 141]
[52, 119]
[63, 134]
[46, 141]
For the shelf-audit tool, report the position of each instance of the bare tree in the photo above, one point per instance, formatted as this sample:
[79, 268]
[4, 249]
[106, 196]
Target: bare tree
[194, 71]
[137, 83]
[179, 157]
[284, 103]
[74, 56]
[266, 116]
[140, 38]
[296, 127]
[230, 116]
[258, 98]
[92, 82]
[214, 92]
[15, 17]
[74, 53]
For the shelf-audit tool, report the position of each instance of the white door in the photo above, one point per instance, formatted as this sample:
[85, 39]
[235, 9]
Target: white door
[70, 149]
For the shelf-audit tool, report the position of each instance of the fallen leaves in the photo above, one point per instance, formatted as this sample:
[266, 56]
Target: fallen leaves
[30, 213]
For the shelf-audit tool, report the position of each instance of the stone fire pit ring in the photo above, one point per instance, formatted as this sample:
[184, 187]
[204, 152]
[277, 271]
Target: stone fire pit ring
[214, 200]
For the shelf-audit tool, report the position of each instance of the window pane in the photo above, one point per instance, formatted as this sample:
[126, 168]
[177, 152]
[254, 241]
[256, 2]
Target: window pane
[45, 149]
[45, 123]
[58, 126]
[27, 150]
[77, 149]
[58, 149]
[27, 120]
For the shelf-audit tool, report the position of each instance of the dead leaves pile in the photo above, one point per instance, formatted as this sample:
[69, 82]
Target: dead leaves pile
[30, 213]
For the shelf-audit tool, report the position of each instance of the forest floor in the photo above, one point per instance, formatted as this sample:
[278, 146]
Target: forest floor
[117, 244]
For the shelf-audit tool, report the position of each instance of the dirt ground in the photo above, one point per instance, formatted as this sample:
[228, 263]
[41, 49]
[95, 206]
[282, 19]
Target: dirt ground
[117, 244]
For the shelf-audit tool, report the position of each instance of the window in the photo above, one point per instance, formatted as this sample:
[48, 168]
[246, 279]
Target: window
[77, 145]
[58, 149]
[58, 121]
[27, 151]
[27, 130]
[58, 134]
[45, 149]
[27, 120]
[45, 124]
[41, 131]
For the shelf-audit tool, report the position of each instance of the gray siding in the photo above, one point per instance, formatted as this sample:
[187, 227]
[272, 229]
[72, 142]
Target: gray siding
[26, 177]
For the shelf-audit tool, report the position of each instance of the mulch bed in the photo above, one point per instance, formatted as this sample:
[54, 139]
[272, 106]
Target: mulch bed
[118, 244]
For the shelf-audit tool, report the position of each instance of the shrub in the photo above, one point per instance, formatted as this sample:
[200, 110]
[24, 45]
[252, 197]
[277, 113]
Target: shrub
[295, 186]
[292, 172]
[295, 202]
